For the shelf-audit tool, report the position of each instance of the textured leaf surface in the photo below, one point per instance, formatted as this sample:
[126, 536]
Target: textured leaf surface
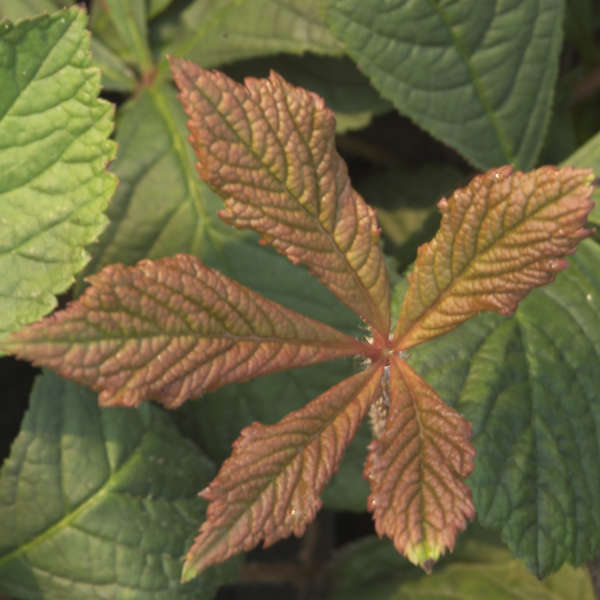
[172, 329]
[268, 150]
[269, 488]
[99, 503]
[162, 208]
[53, 184]
[529, 385]
[416, 469]
[216, 32]
[345, 90]
[501, 236]
[372, 569]
[215, 422]
[477, 75]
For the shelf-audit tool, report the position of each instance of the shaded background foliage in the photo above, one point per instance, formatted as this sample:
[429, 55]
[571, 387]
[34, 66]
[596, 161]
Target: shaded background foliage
[414, 122]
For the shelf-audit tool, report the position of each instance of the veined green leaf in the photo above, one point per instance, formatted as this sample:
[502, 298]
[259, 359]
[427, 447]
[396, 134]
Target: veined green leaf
[477, 75]
[99, 502]
[53, 183]
[529, 385]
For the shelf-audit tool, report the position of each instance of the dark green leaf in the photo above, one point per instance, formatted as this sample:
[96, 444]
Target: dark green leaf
[479, 76]
[99, 502]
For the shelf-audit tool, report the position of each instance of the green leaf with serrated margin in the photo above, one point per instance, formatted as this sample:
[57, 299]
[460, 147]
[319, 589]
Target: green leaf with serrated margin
[171, 329]
[416, 469]
[99, 502]
[53, 183]
[529, 385]
[269, 488]
[268, 149]
[477, 75]
[501, 236]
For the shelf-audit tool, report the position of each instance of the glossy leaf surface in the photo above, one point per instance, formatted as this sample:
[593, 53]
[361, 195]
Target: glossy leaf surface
[268, 149]
[529, 385]
[501, 236]
[416, 470]
[477, 75]
[53, 183]
[269, 488]
[99, 502]
[172, 329]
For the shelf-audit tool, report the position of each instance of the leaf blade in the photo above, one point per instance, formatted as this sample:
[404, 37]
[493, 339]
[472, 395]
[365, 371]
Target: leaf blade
[54, 185]
[529, 385]
[416, 467]
[268, 150]
[477, 75]
[501, 236]
[170, 329]
[282, 461]
[99, 501]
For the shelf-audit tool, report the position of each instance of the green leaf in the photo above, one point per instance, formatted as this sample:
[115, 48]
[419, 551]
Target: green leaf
[501, 236]
[128, 20]
[268, 149]
[53, 187]
[476, 570]
[222, 31]
[479, 76]
[588, 156]
[29, 8]
[99, 502]
[529, 385]
[269, 488]
[171, 329]
[116, 74]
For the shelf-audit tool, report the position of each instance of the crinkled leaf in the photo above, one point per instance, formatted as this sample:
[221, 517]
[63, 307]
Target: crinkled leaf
[268, 150]
[501, 236]
[215, 422]
[99, 502]
[345, 90]
[172, 329]
[477, 75]
[529, 385]
[416, 468]
[269, 488]
[215, 32]
[476, 570]
[53, 182]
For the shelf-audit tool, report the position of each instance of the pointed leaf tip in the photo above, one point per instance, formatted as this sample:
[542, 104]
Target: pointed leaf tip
[270, 486]
[172, 329]
[501, 236]
[267, 148]
[416, 470]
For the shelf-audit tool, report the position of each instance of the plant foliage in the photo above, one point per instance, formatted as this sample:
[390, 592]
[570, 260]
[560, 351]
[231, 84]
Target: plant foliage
[470, 412]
